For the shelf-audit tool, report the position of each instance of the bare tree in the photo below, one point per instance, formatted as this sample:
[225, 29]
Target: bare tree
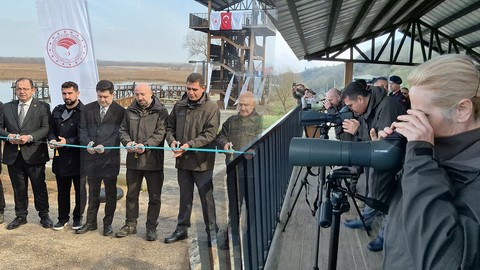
[280, 98]
[196, 43]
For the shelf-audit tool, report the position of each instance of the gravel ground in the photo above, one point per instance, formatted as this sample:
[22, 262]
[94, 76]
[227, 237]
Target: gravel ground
[33, 247]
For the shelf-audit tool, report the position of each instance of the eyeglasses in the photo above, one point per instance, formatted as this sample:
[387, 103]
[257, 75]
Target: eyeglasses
[23, 89]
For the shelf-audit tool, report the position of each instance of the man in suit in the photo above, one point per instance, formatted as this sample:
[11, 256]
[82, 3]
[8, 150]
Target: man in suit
[26, 122]
[99, 127]
[66, 160]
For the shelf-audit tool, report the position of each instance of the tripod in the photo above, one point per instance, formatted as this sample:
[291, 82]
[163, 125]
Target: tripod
[323, 135]
[335, 204]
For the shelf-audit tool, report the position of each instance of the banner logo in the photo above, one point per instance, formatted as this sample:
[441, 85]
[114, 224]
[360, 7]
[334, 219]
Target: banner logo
[67, 48]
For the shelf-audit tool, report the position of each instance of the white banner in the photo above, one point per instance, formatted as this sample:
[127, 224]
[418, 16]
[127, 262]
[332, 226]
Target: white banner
[68, 49]
[215, 20]
[209, 76]
[246, 81]
[237, 17]
[227, 93]
[245, 84]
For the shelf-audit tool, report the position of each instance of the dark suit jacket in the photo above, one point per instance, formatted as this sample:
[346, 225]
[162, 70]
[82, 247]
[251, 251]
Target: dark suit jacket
[36, 123]
[106, 133]
[67, 162]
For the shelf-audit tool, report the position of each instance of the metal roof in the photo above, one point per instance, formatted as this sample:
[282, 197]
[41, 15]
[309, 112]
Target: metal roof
[219, 5]
[318, 29]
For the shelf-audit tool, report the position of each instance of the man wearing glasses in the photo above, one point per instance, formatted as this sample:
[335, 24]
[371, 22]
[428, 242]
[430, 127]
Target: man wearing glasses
[26, 123]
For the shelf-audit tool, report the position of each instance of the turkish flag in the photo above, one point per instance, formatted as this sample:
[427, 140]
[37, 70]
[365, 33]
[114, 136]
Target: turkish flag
[226, 21]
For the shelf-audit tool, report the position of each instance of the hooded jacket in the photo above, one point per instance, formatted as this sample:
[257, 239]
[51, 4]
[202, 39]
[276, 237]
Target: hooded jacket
[195, 123]
[434, 220]
[146, 126]
[380, 113]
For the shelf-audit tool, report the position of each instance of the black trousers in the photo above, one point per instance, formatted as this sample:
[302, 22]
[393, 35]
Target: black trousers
[203, 181]
[154, 185]
[64, 185]
[94, 185]
[2, 197]
[19, 173]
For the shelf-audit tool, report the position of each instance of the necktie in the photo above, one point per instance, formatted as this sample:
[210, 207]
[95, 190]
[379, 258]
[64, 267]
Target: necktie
[21, 115]
[102, 113]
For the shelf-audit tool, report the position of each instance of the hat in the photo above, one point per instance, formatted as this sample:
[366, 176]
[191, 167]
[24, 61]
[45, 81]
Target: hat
[396, 79]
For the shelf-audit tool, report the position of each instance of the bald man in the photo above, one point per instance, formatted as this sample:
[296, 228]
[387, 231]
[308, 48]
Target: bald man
[143, 125]
[239, 130]
[333, 103]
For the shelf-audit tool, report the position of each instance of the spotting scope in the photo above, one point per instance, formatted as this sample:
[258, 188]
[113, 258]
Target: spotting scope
[385, 154]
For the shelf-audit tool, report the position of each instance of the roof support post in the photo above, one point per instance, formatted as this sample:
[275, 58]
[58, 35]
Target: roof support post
[347, 78]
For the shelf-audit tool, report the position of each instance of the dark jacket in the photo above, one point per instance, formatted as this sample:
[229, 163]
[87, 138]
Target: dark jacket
[146, 126]
[106, 133]
[240, 131]
[36, 123]
[399, 97]
[434, 220]
[67, 160]
[380, 113]
[195, 123]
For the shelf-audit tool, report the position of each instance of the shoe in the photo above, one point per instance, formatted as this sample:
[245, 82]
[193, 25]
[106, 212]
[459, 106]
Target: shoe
[60, 225]
[151, 235]
[46, 222]
[2, 218]
[86, 227]
[107, 230]
[125, 231]
[17, 222]
[376, 244]
[77, 224]
[176, 236]
[356, 224]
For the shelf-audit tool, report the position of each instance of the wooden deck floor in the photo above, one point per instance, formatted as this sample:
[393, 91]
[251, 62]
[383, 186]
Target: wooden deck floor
[295, 248]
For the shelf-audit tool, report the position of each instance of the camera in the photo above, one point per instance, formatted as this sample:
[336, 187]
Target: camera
[309, 118]
[386, 154]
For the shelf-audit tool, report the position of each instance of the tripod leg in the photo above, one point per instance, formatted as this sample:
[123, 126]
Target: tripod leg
[304, 183]
[362, 219]
[321, 183]
[296, 180]
[334, 233]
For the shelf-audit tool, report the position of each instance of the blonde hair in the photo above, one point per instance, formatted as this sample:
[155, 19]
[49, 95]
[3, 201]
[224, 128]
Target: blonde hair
[449, 78]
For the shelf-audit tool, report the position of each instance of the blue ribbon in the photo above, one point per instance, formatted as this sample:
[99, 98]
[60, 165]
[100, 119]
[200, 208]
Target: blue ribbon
[151, 147]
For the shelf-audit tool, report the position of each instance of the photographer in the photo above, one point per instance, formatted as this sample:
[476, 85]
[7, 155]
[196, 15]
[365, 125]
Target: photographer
[298, 91]
[375, 111]
[434, 215]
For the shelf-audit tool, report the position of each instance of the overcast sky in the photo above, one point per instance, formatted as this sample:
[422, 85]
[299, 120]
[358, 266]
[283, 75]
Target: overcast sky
[126, 30]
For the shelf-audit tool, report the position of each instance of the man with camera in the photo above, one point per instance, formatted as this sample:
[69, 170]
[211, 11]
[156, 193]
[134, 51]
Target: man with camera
[375, 111]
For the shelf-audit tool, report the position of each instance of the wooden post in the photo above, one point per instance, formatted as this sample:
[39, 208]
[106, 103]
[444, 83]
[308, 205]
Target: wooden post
[348, 72]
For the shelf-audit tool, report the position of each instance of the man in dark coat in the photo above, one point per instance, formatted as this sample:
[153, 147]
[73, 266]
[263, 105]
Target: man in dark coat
[376, 111]
[99, 127]
[66, 160]
[25, 122]
[143, 125]
[240, 129]
[2, 196]
[193, 123]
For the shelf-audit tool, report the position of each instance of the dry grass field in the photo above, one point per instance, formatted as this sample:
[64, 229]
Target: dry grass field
[175, 75]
